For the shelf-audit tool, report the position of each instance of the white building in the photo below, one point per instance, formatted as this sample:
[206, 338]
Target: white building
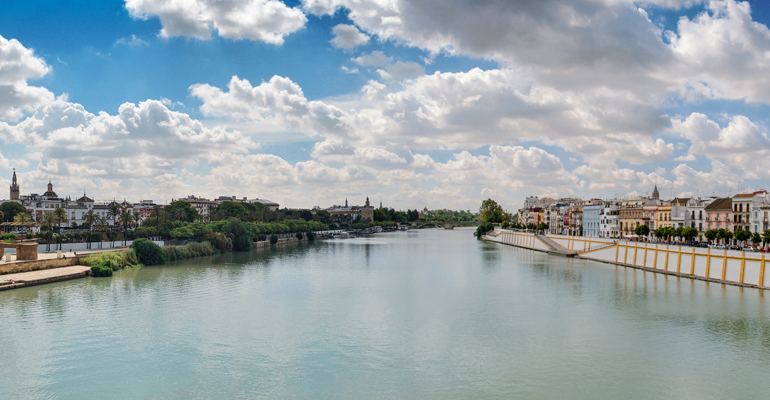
[608, 227]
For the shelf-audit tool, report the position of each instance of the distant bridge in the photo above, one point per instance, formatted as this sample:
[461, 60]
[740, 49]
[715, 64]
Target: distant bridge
[445, 225]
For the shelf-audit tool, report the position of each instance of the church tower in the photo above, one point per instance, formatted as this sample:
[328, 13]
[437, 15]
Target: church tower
[655, 194]
[14, 187]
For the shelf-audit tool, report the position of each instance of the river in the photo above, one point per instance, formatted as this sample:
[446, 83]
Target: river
[428, 314]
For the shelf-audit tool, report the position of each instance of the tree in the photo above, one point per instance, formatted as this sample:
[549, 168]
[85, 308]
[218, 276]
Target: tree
[491, 212]
[642, 230]
[690, 233]
[112, 235]
[46, 225]
[756, 238]
[10, 210]
[380, 216]
[114, 212]
[60, 215]
[710, 235]
[182, 211]
[236, 230]
[742, 235]
[125, 219]
[89, 218]
[659, 233]
[23, 219]
[101, 225]
[766, 237]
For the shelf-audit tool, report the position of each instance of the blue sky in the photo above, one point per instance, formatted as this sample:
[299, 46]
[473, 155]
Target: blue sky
[458, 101]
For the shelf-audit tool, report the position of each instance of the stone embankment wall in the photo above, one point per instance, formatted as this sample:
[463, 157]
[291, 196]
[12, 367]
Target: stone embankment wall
[727, 266]
[280, 242]
[724, 266]
[36, 265]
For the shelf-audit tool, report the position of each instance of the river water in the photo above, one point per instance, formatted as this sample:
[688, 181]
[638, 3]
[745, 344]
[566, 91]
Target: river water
[429, 314]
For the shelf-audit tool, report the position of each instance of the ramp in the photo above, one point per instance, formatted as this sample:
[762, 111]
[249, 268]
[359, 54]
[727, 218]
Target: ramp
[555, 248]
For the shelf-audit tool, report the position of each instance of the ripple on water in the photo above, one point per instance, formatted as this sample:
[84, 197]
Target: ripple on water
[428, 314]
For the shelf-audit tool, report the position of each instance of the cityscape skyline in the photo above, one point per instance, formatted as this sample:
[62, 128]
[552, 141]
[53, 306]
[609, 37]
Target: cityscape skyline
[307, 102]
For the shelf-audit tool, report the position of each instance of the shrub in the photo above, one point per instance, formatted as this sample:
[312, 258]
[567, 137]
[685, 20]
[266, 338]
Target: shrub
[190, 250]
[96, 236]
[114, 259]
[148, 253]
[8, 236]
[310, 236]
[98, 270]
[261, 237]
[220, 242]
[300, 236]
[30, 235]
[273, 239]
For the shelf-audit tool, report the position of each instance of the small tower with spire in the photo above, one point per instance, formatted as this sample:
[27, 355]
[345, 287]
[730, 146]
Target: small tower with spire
[655, 194]
[346, 202]
[14, 187]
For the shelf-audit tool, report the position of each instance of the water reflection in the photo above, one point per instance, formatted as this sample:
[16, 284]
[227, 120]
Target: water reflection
[428, 314]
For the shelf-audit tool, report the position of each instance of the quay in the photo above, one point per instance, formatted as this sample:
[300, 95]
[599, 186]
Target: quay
[739, 268]
[38, 269]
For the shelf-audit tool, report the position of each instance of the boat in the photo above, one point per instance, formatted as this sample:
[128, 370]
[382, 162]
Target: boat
[403, 228]
[377, 229]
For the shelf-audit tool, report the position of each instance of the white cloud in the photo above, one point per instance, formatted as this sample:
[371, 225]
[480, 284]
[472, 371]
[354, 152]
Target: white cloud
[132, 41]
[116, 153]
[742, 144]
[373, 59]
[722, 53]
[268, 21]
[349, 70]
[348, 37]
[19, 64]
[401, 71]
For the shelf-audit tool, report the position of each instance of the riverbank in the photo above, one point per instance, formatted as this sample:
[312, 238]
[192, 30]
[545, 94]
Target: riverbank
[720, 266]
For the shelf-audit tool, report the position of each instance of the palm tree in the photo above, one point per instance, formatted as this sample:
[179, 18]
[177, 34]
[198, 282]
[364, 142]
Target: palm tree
[48, 221]
[125, 219]
[60, 215]
[23, 219]
[114, 212]
[137, 216]
[89, 218]
[101, 226]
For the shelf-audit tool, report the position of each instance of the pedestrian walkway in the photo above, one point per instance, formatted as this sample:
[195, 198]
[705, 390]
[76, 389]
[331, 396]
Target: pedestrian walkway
[22, 279]
[555, 248]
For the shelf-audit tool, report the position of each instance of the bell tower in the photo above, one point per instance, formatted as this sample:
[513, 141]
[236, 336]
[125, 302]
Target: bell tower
[14, 187]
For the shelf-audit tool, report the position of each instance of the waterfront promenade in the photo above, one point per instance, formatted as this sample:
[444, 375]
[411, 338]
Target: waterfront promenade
[731, 267]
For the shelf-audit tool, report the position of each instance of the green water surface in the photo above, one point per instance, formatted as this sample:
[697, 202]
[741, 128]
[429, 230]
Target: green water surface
[429, 314]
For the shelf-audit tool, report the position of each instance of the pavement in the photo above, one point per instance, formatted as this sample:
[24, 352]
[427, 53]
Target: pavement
[21, 279]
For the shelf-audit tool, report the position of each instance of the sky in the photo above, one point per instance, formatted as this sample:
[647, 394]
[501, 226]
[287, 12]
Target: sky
[414, 103]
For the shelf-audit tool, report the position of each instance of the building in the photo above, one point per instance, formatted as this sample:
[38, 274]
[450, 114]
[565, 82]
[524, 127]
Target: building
[695, 215]
[719, 214]
[367, 211]
[576, 220]
[760, 206]
[630, 215]
[592, 219]
[273, 206]
[145, 208]
[742, 204]
[205, 207]
[609, 221]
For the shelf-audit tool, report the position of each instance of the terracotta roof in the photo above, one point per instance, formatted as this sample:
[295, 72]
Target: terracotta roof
[744, 195]
[721, 204]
